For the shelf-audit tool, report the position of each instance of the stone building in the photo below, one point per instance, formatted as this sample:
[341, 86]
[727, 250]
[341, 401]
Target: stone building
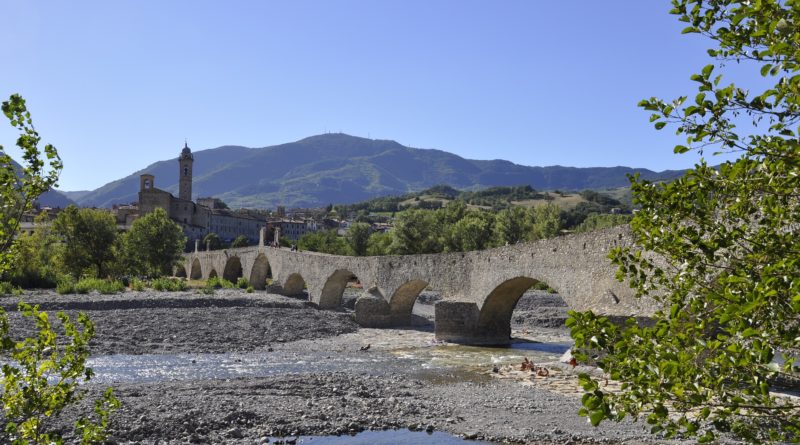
[196, 219]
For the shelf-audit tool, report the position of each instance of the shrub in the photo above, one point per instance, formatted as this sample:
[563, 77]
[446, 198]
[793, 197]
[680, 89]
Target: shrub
[87, 285]
[7, 288]
[168, 284]
[136, 284]
[242, 283]
[66, 285]
[219, 283]
[249, 289]
[208, 290]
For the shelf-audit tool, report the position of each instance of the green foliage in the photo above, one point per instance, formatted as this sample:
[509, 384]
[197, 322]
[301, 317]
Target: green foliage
[546, 222]
[597, 221]
[7, 288]
[88, 236]
[726, 261]
[168, 284]
[240, 241]
[212, 241]
[379, 243]
[358, 238]
[473, 231]
[153, 246]
[416, 231]
[137, 284]
[104, 286]
[249, 289]
[37, 264]
[43, 377]
[512, 225]
[65, 285]
[242, 283]
[219, 283]
[500, 197]
[325, 241]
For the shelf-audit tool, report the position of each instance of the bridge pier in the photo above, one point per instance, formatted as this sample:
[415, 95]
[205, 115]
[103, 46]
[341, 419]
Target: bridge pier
[458, 322]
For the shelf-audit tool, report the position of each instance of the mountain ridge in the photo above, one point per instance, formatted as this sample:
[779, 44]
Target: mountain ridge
[336, 167]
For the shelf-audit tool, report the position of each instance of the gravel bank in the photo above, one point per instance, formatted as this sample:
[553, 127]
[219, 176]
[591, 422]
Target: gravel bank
[310, 402]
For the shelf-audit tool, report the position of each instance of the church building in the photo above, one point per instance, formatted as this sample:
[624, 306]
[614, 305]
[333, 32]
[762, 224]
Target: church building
[196, 220]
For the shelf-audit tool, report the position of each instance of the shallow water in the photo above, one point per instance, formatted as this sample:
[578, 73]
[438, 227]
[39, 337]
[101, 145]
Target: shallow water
[443, 362]
[389, 437]
[164, 367]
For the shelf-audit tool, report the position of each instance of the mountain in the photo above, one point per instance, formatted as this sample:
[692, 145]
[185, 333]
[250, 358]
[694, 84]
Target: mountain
[340, 168]
[51, 198]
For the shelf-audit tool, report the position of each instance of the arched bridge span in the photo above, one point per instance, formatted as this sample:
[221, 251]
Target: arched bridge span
[479, 289]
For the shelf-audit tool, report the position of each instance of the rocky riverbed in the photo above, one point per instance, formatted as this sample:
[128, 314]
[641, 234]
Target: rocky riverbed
[311, 375]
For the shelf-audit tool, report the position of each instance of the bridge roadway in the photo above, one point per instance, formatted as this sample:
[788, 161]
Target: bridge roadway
[479, 289]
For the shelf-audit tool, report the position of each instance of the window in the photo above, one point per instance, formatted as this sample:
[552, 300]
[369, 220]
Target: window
[185, 171]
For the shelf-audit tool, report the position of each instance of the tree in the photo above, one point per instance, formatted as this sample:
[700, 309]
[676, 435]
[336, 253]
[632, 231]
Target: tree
[716, 248]
[43, 377]
[37, 260]
[154, 245]
[546, 221]
[472, 232]
[89, 236]
[325, 241]
[379, 243]
[417, 231]
[240, 241]
[18, 190]
[212, 241]
[512, 225]
[358, 237]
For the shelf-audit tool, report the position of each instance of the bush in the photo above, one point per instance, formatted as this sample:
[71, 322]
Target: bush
[87, 285]
[219, 283]
[168, 284]
[7, 288]
[242, 283]
[65, 285]
[208, 290]
[249, 289]
[136, 284]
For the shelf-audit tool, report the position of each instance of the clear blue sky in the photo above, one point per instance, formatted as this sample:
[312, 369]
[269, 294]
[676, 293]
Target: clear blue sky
[119, 85]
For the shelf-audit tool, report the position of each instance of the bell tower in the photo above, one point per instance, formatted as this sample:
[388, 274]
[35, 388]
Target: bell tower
[185, 162]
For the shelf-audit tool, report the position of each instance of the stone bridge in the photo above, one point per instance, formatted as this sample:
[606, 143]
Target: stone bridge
[479, 289]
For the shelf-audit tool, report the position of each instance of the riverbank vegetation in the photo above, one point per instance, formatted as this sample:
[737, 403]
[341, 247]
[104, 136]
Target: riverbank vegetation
[82, 245]
[726, 268]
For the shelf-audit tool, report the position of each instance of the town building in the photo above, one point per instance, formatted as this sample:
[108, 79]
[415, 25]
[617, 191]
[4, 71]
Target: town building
[198, 219]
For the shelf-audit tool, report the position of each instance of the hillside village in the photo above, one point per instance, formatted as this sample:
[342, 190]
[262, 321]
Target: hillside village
[210, 215]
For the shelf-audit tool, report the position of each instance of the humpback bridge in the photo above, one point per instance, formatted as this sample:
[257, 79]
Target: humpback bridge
[479, 289]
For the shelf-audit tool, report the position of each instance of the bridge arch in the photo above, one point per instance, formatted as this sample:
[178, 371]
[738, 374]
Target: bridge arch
[197, 270]
[180, 271]
[213, 273]
[494, 319]
[331, 295]
[294, 284]
[233, 269]
[402, 301]
[260, 272]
